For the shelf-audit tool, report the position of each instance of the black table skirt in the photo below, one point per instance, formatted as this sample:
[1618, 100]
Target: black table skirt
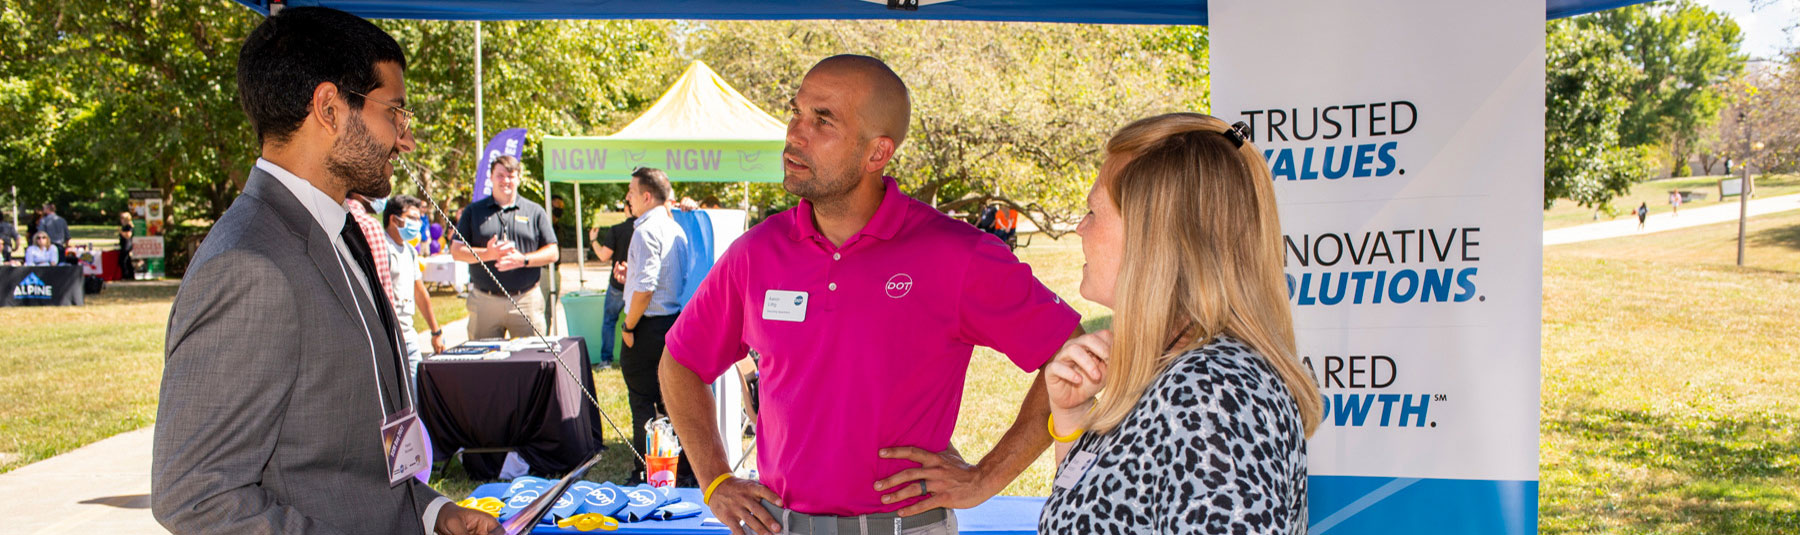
[525, 402]
[41, 286]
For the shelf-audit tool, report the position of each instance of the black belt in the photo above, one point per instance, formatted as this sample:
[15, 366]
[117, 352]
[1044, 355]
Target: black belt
[504, 293]
[879, 523]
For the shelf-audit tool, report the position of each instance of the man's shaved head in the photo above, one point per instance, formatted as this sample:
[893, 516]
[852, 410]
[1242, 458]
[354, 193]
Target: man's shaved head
[886, 106]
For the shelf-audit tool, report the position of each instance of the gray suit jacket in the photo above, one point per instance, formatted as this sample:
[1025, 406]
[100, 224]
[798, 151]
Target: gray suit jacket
[269, 420]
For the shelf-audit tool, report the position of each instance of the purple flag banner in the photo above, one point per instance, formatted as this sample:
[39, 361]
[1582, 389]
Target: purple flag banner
[510, 142]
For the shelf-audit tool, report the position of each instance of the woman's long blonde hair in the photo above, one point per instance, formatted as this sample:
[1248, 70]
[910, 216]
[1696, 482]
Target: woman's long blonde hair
[1202, 258]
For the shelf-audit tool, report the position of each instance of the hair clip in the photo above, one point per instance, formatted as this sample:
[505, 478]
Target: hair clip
[1238, 133]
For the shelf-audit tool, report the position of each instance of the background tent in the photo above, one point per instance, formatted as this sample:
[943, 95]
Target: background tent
[701, 130]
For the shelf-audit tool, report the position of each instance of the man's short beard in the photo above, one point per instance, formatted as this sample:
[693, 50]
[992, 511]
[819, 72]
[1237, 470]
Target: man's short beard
[824, 187]
[358, 161]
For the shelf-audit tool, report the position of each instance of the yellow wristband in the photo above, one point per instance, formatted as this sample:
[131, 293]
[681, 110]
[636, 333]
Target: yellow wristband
[1059, 438]
[706, 497]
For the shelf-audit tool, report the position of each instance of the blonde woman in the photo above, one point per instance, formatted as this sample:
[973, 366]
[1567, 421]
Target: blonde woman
[1191, 414]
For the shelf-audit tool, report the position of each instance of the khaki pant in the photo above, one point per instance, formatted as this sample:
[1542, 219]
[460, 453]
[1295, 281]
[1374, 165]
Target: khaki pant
[492, 316]
[864, 526]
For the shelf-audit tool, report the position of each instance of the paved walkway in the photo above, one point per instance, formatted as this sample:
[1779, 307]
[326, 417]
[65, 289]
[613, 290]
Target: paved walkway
[104, 487]
[1690, 217]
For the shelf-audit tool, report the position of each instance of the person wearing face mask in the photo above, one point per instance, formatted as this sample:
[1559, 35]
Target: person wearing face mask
[512, 237]
[402, 215]
[285, 406]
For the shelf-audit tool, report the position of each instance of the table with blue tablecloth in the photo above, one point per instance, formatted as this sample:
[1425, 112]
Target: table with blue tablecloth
[1002, 515]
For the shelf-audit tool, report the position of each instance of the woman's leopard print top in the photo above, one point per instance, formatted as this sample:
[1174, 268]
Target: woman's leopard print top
[1215, 445]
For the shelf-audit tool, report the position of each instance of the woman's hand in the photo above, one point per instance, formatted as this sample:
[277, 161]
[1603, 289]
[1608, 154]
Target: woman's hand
[1077, 371]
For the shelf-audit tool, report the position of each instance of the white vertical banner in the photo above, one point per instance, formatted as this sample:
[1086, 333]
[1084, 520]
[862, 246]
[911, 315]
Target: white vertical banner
[1406, 139]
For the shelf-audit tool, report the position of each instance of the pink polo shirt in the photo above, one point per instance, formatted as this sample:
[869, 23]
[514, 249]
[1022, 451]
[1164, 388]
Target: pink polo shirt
[890, 321]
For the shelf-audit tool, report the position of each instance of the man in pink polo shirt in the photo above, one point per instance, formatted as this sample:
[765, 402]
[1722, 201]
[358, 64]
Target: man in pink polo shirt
[865, 306]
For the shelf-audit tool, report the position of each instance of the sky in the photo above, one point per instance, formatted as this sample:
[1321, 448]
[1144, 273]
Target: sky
[1766, 28]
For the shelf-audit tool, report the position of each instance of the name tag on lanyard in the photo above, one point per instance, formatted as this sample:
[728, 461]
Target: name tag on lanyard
[403, 441]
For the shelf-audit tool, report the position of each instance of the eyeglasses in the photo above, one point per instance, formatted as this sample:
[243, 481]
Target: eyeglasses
[403, 117]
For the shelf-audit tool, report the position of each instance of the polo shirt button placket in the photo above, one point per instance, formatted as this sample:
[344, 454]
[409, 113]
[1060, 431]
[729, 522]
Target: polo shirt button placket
[833, 286]
[837, 256]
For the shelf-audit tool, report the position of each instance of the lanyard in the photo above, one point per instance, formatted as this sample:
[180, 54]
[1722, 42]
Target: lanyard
[374, 363]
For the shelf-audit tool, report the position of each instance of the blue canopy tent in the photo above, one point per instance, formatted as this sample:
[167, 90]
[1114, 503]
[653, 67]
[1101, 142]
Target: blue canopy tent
[1189, 12]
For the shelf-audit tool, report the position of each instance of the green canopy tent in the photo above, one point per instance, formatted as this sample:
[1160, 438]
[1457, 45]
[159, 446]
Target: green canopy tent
[701, 130]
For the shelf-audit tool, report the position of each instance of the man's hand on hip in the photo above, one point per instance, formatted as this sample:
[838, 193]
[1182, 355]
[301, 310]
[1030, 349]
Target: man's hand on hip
[943, 477]
[737, 502]
[457, 520]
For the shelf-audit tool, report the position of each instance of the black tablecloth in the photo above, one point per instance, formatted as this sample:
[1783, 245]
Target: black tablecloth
[40, 286]
[525, 402]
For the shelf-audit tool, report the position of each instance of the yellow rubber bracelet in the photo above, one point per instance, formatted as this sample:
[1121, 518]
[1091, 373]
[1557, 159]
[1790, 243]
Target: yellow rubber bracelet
[1060, 438]
[706, 497]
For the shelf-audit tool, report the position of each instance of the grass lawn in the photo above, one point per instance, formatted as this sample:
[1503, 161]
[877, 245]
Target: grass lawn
[446, 306]
[1772, 242]
[74, 375]
[1565, 213]
[1668, 398]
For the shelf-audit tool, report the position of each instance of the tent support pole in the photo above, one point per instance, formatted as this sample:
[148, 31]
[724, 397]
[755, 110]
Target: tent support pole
[580, 245]
[480, 136]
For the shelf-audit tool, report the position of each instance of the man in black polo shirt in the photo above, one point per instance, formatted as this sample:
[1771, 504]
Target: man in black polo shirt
[512, 238]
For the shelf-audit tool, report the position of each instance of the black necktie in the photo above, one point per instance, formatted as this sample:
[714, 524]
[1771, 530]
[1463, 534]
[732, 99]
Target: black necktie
[359, 250]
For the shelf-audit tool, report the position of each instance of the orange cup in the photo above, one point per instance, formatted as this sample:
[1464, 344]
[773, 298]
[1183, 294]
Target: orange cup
[661, 470]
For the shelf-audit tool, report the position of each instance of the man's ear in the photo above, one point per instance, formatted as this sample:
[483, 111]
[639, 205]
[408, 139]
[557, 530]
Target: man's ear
[881, 151]
[327, 109]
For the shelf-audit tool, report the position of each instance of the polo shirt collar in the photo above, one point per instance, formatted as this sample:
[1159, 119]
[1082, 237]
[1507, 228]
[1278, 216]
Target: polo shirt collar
[884, 224]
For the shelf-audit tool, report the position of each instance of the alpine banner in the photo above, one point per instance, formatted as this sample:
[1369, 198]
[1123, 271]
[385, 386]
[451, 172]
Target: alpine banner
[1406, 140]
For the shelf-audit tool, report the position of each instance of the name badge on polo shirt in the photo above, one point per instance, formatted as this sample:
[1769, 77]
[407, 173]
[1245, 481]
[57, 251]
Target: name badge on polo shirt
[521, 219]
[783, 305]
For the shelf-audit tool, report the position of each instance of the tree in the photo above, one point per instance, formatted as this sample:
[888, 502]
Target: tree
[1586, 86]
[567, 78]
[117, 95]
[1683, 52]
[1763, 109]
[1013, 114]
[123, 95]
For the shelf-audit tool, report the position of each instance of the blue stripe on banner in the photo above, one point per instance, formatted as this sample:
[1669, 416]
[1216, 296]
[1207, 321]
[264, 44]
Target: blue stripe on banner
[1348, 505]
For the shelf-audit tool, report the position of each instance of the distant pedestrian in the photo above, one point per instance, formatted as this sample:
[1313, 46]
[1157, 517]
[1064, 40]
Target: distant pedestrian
[125, 233]
[1675, 203]
[55, 226]
[1643, 211]
[9, 237]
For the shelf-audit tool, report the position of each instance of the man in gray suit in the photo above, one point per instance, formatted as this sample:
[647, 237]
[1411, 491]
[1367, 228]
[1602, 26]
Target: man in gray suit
[283, 367]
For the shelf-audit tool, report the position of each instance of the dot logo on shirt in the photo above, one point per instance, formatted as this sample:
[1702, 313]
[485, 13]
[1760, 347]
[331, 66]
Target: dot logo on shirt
[899, 285]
